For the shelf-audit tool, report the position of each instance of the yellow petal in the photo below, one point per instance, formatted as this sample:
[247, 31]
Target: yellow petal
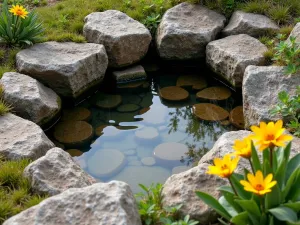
[262, 192]
[270, 185]
[278, 125]
[268, 179]
[218, 162]
[259, 177]
[246, 184]
[279, 132]
[251, 179]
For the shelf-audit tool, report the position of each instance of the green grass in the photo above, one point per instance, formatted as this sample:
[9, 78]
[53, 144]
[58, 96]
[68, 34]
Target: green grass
[15, 192]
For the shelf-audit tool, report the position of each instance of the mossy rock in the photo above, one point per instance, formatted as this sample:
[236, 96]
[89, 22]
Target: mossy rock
[107, 101]
[173, 93]
[75, 133]
[195, 82]
[214, 93]
[144, 110]
[99, 130]
[74, 152]
[128, 108]
[237, 117]
[209, 112]
[76, 114]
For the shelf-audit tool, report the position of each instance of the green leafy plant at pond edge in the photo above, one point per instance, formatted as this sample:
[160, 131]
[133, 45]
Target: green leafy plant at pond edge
[153, 212]
[18, 30]
[4, 107]
[288, 107]
[272, 195]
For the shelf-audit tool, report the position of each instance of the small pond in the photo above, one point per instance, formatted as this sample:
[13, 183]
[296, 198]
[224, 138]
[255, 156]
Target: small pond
[145, 139]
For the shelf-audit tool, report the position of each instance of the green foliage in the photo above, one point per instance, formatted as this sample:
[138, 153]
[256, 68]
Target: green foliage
[288, 107]
[152, 211]
[4, 107]
[16, 31]
[288, 54]
[15, 191]
[152, 22]
[279, 207]
[280, 14]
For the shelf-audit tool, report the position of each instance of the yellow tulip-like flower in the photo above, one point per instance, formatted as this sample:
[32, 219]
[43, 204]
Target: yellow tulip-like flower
[270, 135]
[18, 10]
[223, 167]
[243, 147]
[257, 184]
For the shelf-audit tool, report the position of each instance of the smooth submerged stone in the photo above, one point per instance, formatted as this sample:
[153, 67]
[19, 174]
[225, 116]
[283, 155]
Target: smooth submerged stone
[68, 68]
[210, 112]
[107, 101]
[29, 98]
[73, 133]
[144, 110]
[128, 108]
[135, 175]
[130, 152]
[106, 163]
[185, 30]
[214, 93]
[237, 117]
[147, 100]
[196, 82]
[125, 39]
[76, 114]
[148, 161]
[130, 74]
[110, 131]
[170, 151]
[147, 133]
[20, 138]
[74, 152]
[173, 93]
[131, 99]
[99, 130]
[175, 136]
[131, 85]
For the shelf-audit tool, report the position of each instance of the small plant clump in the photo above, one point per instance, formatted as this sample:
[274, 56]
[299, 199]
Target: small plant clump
[153, 212]
[15, 191]
[4, 107]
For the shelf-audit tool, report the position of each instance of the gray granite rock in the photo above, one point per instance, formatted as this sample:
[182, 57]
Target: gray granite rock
[56, 172]
[261, 86]
[29, 98]
[103, 203]
[125, 39]
[130, 74]
[230, 56]
[20, 138]
[296, 32]
[180, 189]
[252, 24]
[185, 30]
[68, 68]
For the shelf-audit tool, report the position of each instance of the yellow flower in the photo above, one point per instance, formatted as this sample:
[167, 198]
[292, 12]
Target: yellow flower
[270, 135]
[18, 10]
[257, 184]
[223, 167]
[243, 147]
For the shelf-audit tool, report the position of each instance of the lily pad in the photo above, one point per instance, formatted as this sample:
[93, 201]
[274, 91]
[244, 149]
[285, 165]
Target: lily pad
[170, 151]
[237, 117]
[174, 93]
[107, 101]
[128, 108]
[195, 82]
[214, 93]
[210, 112]
[73, 133]
[76, 114]
[74, 152]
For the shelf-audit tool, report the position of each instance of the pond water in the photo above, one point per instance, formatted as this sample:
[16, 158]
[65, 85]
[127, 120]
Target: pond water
[145, 139]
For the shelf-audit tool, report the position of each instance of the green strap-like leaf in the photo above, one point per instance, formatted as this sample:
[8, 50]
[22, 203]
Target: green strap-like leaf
[293, 164]
[252, 208]
[284, 214]
[254, 158]
[293, 205]
[241, 219]
[274, 198]
[235, 179]
[227, 206]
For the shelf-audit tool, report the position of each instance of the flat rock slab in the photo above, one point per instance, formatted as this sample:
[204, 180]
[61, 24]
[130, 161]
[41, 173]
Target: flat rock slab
[20, 138]
[185, 30]
[102, 203]
[209, 112]
[128, 108]
[106, 163]
[56, 172]
[214, 93]
[147, 133]
[130, 74]
[68, 68]
[230, 56]
[252, 24]
[125, 39]
[260, 92]
[29, 98]
[174, 93]
[236, 117]
[180, 189]
[76, 114]
[170, 151]
[148, 161]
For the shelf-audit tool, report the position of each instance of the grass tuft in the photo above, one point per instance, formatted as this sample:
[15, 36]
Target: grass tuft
[255, 6]
[280, 14]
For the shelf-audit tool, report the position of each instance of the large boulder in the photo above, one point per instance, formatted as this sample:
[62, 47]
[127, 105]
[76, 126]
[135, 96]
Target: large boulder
[261, 86]
[296, 33]
[29, 98]
[252, 24]
[102, 203]
[20, 138]
[230, 56]
[180, 189]
[56, 172]
[125, 39]
[68, 68]
[185, 30]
